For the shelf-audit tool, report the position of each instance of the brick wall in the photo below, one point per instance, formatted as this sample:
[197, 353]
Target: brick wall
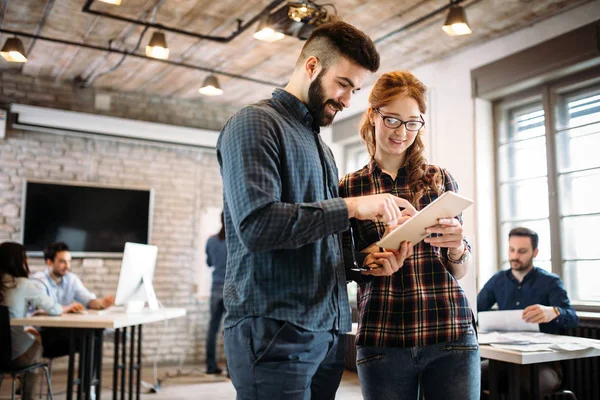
[184, 179]
[197, 113]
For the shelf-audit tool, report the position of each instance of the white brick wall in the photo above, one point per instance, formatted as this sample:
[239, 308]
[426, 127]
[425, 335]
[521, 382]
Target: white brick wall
[184, 181]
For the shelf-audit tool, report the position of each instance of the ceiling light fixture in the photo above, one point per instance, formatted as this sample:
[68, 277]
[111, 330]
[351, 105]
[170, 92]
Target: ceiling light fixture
[211, 86]
[293, 19]
[157, 47]
[13, 50]
[113, 2]
[456, 22]
[266, 33]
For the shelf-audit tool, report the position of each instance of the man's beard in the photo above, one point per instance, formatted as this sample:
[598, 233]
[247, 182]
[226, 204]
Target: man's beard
[317, 103]
[521, 266]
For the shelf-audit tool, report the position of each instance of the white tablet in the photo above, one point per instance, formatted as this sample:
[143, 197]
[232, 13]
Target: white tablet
[447, 205]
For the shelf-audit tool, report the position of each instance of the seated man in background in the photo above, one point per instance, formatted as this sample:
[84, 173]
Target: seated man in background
[540, 294]
[66, 289]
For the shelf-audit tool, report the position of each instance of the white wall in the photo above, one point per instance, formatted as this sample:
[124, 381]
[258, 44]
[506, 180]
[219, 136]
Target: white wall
[461, 136]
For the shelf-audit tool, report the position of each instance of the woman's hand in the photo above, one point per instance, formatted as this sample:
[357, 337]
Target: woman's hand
[451, 236]
[387, 262]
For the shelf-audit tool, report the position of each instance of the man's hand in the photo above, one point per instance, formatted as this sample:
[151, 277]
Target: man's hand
[451, 237]
[388, 262]
[539, 314]
[107, 301]
[75, 307]
[379, 207]
[101, 304]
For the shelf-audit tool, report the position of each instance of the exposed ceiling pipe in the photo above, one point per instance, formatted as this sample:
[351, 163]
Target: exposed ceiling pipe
[90, 80]
[4, 6]
[69, 61]
[221, 39]
[117, 51]
[40, 26]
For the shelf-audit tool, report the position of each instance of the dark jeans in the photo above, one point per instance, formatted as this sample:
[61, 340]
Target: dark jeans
[549, 378]
[55, 342]
[448, 371]
[217, 309]
[271, 359]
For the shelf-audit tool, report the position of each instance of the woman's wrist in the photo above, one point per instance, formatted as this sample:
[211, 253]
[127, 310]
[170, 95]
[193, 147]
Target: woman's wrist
[457, 252]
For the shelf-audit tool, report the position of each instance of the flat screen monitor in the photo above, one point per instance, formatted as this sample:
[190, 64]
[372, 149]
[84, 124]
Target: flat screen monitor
[135, 279]
[91, 220]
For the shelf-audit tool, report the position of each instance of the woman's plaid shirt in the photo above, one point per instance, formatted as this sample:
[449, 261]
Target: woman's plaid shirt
[422, 303]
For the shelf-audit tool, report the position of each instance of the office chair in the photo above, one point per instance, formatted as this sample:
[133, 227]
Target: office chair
[6, 356]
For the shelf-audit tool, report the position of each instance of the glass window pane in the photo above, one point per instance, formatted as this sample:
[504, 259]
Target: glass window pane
[526, 123]
[578, 192]
[582, 280]
[542, 228]
[524, 159]
[580, 109]
[579, 237]
[577, 150]
[524, 200]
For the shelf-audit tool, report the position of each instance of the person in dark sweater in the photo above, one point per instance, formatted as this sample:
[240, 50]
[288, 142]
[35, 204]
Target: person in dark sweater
[540, 294]
[216, 257]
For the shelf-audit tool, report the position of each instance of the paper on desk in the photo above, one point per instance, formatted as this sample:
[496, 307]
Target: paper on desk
[512, 338]
[535, 341]
[505, 320]
[524, 347]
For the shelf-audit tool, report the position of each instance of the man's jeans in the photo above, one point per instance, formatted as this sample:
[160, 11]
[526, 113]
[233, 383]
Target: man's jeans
[445, 371]
[272, 359]
[216, 315]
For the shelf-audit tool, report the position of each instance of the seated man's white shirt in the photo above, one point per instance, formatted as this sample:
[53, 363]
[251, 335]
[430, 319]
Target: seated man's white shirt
[69, 289]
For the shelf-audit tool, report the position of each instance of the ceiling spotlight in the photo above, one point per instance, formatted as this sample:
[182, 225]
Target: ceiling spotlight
[293, 19]
[266, 33]
[157, 48]
[301, 12]
[113, 2]
[456, 22]
[13, 50]
[211, 87]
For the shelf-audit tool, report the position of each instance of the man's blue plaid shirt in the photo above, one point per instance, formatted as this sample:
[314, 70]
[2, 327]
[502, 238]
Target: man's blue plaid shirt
[283, 217]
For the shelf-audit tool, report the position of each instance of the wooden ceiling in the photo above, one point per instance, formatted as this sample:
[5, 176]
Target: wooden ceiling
[244, 55]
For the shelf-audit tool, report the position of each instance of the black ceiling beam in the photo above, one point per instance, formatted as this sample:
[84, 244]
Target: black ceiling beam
[221, 39]
[117, 51]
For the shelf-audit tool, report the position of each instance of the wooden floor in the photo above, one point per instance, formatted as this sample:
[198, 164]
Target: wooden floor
[192, 384]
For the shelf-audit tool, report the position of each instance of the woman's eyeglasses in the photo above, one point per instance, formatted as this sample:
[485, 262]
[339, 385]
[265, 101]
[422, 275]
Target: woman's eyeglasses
[395, 123]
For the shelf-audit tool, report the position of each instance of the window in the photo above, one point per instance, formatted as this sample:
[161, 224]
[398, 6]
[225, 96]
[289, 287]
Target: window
[548, 174]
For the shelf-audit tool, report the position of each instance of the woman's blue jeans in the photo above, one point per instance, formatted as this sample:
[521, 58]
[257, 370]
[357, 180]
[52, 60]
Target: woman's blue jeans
[445, 371]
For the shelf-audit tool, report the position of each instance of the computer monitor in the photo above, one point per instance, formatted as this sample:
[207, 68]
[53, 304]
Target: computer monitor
[135, 280]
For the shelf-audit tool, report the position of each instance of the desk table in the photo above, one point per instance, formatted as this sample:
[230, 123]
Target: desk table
[88, 328]
[515, 359]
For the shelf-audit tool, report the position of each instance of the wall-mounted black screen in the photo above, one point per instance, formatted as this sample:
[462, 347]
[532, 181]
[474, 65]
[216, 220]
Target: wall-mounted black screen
[87, 218]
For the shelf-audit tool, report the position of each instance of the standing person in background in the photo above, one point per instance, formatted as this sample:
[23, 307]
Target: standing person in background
[16, 293]
[415, 328]
[216, 257]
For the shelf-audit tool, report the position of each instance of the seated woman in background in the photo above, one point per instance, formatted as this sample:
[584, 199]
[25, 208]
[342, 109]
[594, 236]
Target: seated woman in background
[16, 293]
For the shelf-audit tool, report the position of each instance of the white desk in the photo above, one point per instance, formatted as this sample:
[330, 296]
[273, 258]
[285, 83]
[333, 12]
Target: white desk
[95, 320]
[515, 358]
[88, 329]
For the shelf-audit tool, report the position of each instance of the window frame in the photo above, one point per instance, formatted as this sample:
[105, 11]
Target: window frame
[548, 94]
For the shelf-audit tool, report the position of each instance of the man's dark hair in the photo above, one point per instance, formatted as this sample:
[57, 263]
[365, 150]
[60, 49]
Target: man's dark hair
[330, 40]
[56, 247]
[526, 232]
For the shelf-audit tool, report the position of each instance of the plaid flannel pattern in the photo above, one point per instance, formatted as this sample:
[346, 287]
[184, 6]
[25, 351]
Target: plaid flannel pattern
[422, 303]
[283, 218]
